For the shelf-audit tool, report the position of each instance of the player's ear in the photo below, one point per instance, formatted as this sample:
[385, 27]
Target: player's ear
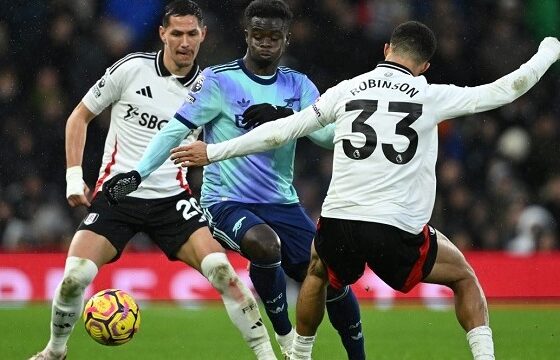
[247, 37]
[288, 37]
[386, 49]
[203, 33]
[425, 67]
[162, 34]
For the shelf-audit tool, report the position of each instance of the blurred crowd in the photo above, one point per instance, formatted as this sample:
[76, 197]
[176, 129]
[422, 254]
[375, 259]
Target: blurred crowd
[498, 172]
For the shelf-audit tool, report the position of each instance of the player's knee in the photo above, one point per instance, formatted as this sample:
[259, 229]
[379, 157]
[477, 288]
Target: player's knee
[317, 268]
[218, 271]
[78, 274]
[262, 247]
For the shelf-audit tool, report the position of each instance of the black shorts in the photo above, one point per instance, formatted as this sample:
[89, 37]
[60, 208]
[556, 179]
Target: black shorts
[399, 258]
[169, 222]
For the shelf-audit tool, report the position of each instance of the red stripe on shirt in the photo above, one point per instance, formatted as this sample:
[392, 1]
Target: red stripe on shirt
[182, 182]
[106, 172]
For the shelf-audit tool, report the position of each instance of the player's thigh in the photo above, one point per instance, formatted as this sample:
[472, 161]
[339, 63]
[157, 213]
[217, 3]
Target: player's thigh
[450, 264]
[173, 222]
[105, 230]
[296, 232]
[198, 246]
[230, 222]
[339, 251]
[88, 245]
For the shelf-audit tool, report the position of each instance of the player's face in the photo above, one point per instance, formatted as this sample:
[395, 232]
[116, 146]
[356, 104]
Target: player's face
[266, 40]
[182, 39]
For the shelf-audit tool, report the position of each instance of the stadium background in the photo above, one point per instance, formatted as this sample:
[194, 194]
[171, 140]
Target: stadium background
[499, 182]
[499, 173]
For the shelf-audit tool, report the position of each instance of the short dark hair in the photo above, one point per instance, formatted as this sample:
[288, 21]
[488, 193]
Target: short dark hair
[414, 39]
[268, 9]
[181, 8]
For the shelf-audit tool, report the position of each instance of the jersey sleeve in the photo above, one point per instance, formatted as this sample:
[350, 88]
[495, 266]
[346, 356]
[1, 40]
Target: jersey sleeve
[322, 137]
[309, 92]
[452, 101]
[276, 133]
[161, 144]
[204, 101]
[105, 91]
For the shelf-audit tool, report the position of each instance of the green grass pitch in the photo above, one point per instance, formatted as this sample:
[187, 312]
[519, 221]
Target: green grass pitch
[404, 332]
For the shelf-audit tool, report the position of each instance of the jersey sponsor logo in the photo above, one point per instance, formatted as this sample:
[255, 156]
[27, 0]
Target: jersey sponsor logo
[131, 112]
[238, 225]
[144, 119]
[145, 91]
[91, 218]
[97, 87]
[197, 86]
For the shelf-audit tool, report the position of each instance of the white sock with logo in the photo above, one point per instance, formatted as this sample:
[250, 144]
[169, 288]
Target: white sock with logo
[240, 303]
[302, 347]
[68, 300]
[481, 343]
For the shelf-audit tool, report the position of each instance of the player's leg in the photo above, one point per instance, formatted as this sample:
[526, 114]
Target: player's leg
[261, 245]
[205, 254]
[296, 231]
[310, 308]
[344, 314]
[189, 240]
[240, 228]
[88, 252]
[452, 269]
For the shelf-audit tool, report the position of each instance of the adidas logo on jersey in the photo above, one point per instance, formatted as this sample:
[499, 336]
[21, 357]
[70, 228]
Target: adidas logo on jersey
[145, 92]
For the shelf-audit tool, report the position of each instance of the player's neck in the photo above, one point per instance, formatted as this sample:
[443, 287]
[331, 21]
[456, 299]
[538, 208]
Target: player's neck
[257, 69]
[173, 68]
[407, 63]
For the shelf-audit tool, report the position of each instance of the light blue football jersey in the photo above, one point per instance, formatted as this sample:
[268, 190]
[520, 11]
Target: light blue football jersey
[216, 103]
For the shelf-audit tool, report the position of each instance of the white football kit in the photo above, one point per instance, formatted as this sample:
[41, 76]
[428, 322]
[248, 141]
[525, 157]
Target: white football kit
[386, 138]
[144, 97]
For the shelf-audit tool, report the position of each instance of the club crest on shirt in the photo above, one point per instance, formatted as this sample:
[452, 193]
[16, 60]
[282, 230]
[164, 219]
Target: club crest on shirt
[197, 86]
[91, 218]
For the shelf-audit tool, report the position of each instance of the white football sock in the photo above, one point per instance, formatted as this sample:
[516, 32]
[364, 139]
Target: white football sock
[481, 343]
[240, 303]
[68, 300]
[286, 341]
[302, 347]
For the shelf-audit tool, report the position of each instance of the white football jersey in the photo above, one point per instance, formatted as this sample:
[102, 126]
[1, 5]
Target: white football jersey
[144, 96]
[386, 139]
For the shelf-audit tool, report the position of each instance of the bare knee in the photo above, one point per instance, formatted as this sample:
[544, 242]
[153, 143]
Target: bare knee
[261, 245]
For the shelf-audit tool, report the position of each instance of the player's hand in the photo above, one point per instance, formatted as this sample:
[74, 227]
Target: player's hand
[120, 185]
[552, 44]
[190, 155]
[258, 114]
[76, 189]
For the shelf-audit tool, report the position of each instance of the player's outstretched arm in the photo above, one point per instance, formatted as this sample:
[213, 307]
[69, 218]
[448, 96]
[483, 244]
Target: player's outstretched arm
[510, 87]
[75, 139]
[265, 137]
[456, 101]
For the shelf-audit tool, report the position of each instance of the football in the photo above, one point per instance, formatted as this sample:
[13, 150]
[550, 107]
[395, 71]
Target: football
[111, 317]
